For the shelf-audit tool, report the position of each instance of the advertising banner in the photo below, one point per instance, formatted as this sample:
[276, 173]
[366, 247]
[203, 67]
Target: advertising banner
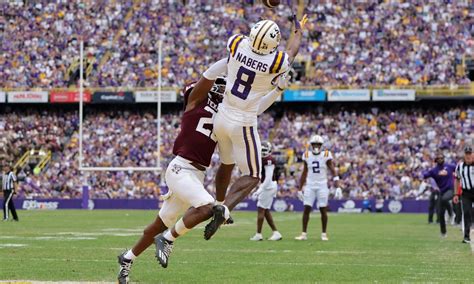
[279, 205]
[65, 96]
[113, 97]
[304, 96]
[28, 97]
[393, 95]
[358, 95]
[152, 96]
[3, 98]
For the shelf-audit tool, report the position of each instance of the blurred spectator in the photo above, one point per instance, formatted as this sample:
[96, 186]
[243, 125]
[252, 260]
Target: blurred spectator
[356, 43]
[379, 153]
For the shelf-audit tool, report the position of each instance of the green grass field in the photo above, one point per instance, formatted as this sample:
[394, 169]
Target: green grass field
[83, 245]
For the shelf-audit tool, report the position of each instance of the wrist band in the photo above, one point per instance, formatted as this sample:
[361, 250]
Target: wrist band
[336, 178]
[280, 89]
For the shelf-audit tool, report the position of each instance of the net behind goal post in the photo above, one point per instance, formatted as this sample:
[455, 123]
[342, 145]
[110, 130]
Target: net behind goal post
[83, 168]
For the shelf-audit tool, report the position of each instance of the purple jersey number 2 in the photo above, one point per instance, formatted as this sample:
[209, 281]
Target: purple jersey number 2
[247, 84]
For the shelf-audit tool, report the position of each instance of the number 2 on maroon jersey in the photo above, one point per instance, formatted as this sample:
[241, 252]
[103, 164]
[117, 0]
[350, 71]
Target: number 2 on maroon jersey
[206, 121]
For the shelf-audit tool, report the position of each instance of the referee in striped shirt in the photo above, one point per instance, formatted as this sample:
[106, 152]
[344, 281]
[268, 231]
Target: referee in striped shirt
[465, 176]
[8, 186]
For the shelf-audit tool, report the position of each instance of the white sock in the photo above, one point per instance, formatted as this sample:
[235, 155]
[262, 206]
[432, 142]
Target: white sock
[226, 212]
[258, 235]
[219, 202]
[180, 228]
[129, 255]
[169, 236]
[304, 234]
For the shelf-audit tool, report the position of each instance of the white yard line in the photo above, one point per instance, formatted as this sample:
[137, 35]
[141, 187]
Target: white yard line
[472, 242]
[12, 245]
[49, 282]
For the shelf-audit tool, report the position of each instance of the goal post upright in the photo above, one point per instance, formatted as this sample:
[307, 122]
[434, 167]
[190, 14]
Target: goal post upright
[81, 99]
[158, 114]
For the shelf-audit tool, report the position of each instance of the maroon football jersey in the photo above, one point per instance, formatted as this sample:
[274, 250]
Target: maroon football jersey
[268, 161]
[196, 141]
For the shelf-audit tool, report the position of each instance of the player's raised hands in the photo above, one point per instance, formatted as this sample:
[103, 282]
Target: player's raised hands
[300, 25]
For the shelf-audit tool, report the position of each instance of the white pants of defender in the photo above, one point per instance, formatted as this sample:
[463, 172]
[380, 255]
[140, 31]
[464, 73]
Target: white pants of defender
[238, 144]
[311, 193]
[265, 198]
[185, 189]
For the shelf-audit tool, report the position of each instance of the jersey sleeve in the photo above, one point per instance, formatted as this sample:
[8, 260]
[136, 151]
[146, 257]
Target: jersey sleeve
[305, 156]
[328, 155]
[427, 174]
[280, 64]
[286, 63]
[233, 44]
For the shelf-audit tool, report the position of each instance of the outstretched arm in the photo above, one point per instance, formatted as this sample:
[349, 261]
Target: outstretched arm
[295, 40]
[204, 85]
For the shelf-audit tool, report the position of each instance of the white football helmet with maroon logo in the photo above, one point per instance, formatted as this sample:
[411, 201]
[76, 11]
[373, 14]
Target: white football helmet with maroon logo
[266, 149]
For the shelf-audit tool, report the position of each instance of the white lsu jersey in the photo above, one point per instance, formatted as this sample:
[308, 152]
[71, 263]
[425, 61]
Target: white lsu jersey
[249, 78]
[317, 168]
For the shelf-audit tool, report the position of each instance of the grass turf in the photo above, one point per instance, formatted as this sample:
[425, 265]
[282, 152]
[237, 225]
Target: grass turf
[73, 245]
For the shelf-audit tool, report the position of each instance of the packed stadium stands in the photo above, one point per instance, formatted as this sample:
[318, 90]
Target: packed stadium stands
[367, 42]
[355, 44]
[379, 150]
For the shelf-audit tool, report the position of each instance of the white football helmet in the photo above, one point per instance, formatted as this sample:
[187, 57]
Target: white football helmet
[316, 142]
[266, 149]
[264, 37]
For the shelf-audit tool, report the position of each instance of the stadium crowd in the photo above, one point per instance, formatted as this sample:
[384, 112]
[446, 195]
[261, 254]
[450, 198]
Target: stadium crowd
[366, 42]
[378, 152]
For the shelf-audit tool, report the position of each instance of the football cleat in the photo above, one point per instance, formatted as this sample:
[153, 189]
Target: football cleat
[163, 250]
[324, 237]
[302, 237]
[217, 220]
[444, 236]
[229, 221]
[466, 241]
[276, 236]
[125, 266]
[257, 237]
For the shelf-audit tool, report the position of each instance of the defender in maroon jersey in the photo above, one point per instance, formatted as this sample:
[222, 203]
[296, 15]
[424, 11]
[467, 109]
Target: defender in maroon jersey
[193, 148]
[196, 142]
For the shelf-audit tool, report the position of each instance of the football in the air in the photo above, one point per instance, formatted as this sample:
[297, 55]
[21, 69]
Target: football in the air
[271, 3]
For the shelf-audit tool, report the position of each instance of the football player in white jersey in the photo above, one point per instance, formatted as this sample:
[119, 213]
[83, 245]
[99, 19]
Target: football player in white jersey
[314, 183]
[266, 193]
[253, 65]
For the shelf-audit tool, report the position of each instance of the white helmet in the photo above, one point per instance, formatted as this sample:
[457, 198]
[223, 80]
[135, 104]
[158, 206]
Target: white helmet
[264, 37]
[266, 149]
[316, 142]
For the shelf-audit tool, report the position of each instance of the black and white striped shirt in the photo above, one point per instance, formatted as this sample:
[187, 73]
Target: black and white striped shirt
[465, 173]
[8, 180]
